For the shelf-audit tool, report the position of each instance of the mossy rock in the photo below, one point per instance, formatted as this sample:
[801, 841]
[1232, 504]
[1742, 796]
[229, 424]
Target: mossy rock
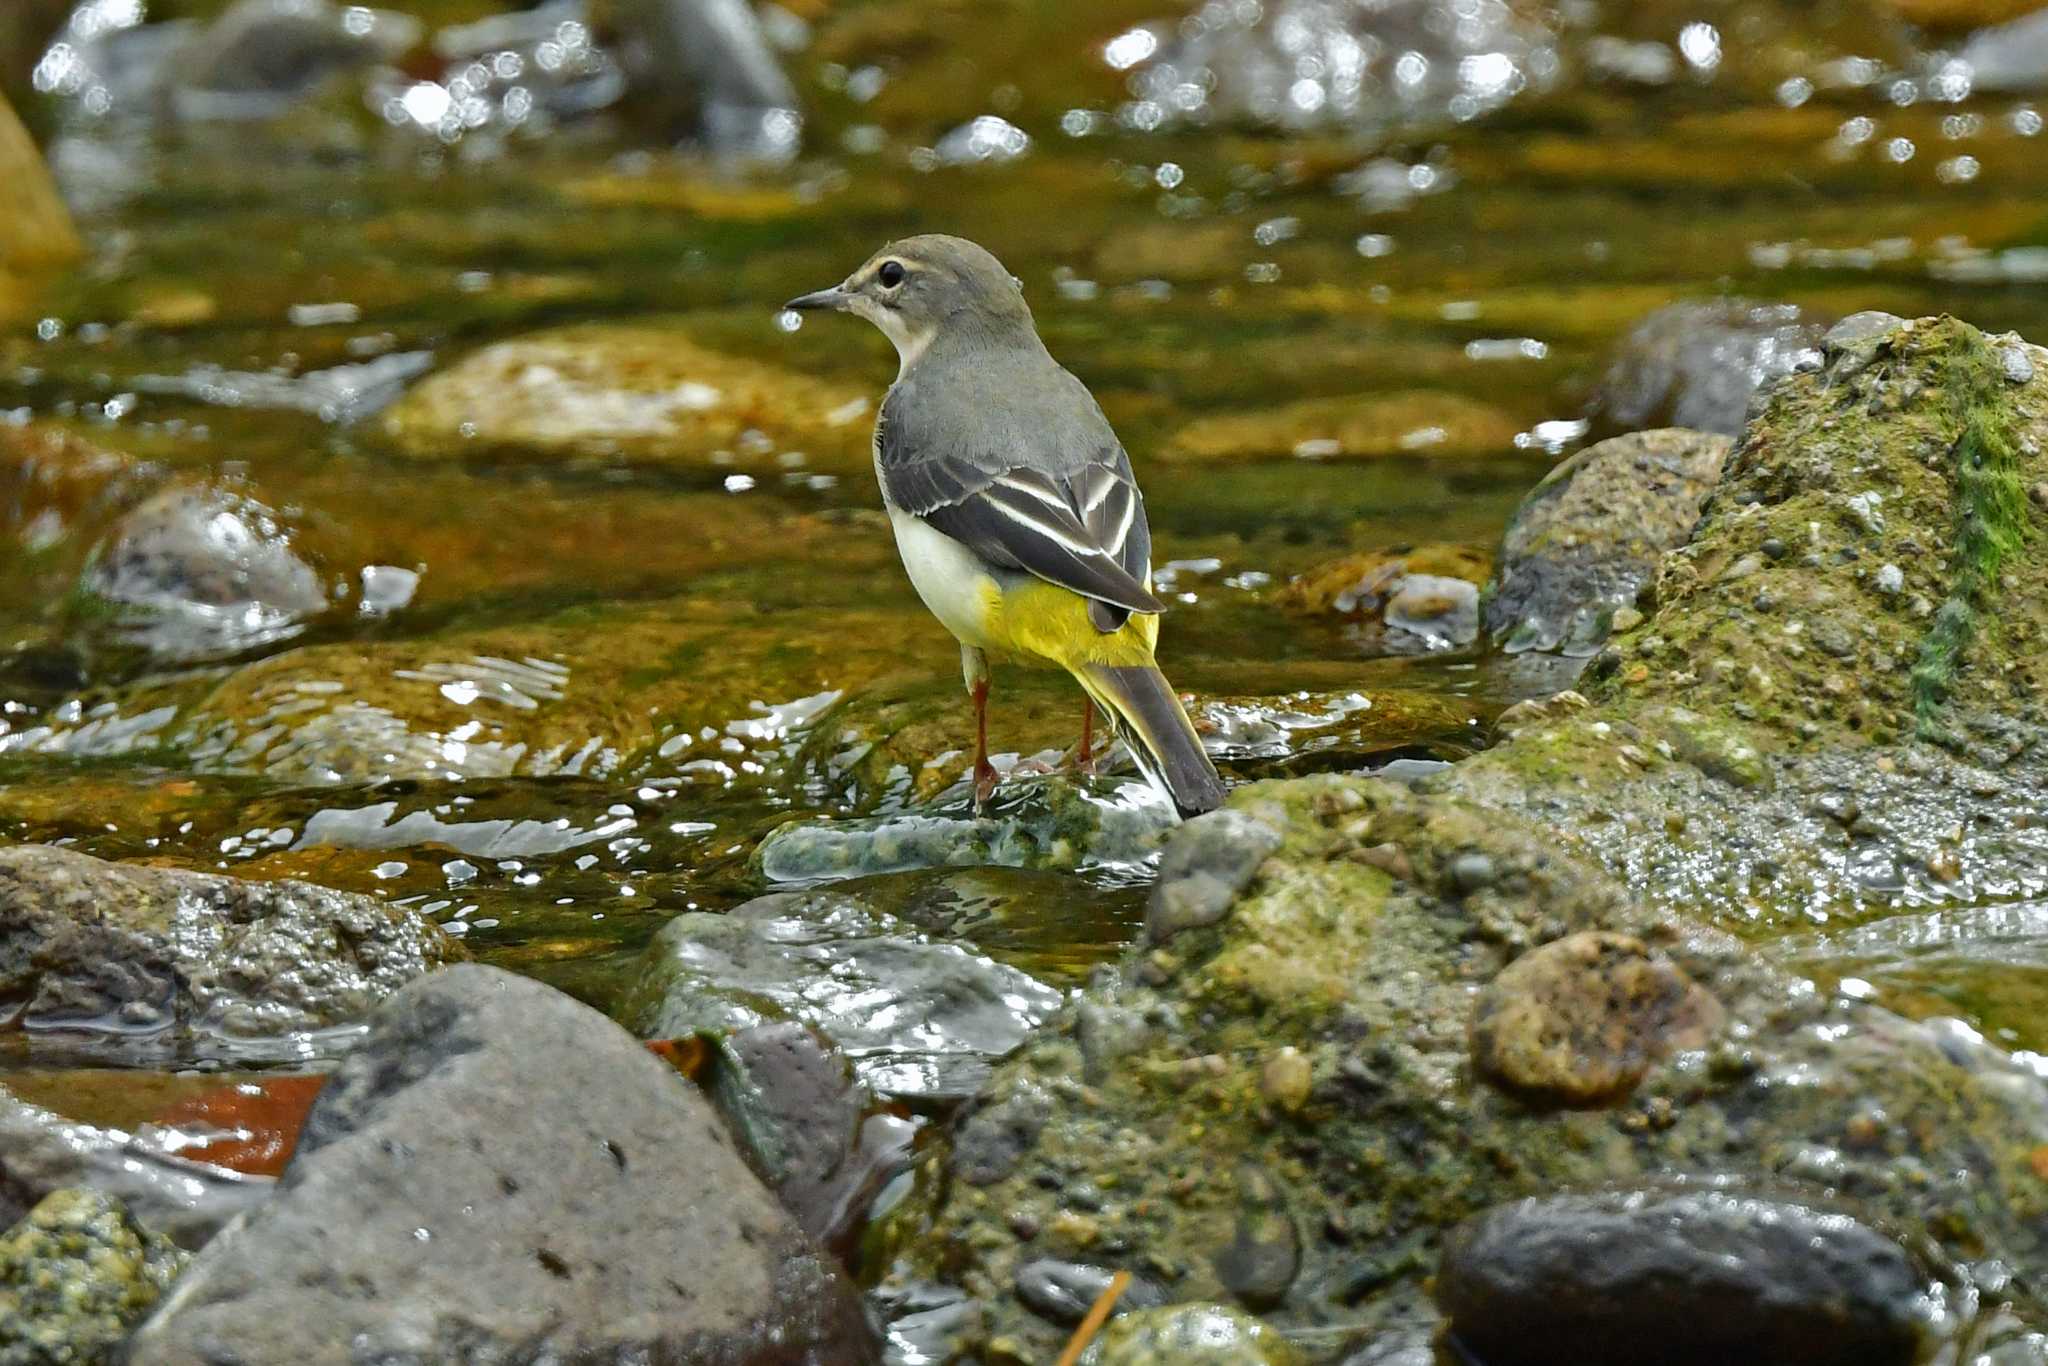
[75, 1276]
[1298, 1077]
[637, 393]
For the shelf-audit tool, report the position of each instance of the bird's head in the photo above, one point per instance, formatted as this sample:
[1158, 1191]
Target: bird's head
[921, 288]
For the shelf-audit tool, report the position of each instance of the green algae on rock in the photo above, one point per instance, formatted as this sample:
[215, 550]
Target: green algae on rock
[637, 393]
[1151, 1102]
[76, 1275]
[1754, 752]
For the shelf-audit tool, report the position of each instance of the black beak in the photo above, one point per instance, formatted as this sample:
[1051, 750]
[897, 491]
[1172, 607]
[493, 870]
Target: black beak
[834, 298]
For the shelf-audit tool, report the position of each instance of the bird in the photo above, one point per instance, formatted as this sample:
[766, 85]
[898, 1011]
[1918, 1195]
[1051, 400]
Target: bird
[1014, 506]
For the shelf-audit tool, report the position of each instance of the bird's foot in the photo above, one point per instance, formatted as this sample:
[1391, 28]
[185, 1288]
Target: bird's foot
[984, 786]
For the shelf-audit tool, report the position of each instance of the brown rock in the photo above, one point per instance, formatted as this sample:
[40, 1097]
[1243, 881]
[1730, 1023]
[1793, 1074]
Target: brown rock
[35, 227]
[1579, 1020]
[1954, 15]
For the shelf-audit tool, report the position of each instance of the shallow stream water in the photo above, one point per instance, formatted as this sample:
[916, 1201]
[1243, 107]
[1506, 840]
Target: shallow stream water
[1485, 269]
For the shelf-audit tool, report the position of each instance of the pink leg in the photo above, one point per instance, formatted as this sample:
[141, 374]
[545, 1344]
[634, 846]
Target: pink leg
[984, 772]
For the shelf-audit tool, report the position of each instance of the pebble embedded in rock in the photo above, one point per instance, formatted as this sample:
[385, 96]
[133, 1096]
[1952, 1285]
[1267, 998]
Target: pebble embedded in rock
[1264, 1254]
[1207, 862]
[1581, 1019]
[1063, 1292]
[1709, 1277]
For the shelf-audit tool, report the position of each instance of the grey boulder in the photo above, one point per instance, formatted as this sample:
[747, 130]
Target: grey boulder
[500, 1174]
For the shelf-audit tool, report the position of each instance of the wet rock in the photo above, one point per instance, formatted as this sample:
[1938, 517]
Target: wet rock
[918, 1016]
[809, 1127]
[1360, 585]
[499, 1171]
[1243, 64]
[1047, 823]
[1710, 1276]
[1207, 863]
[1189, 1335]
[194, 963]
[2013, 56]
[1860, 328]
[187, 1201]
[1265, 1247]
[35, 227]
[262, 56]
[1062, 1292]
[1368, 426]
[705, 66]
[201, 572]
[1697, 364]
[75, 1276]
[1580, 1020]
[1310, 732]
[638, 393]
[340, 394]
[1589, 537]
[520, 70]
[56, 485]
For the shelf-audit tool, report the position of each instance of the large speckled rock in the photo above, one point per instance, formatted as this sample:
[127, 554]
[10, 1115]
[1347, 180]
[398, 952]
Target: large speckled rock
[75, 1276]
[637, 393]
[195, 961]
[1709, 1276]
[1588, 538]
[498, 1173]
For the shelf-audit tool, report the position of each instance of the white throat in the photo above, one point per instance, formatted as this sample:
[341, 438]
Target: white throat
[909, 343]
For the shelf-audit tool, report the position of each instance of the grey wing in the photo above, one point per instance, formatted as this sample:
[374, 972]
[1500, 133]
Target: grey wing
[1082, 528]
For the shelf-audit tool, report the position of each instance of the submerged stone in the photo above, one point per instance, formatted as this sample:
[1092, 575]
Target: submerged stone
[917, 1015]
[1707, 1276]
[1590, 536]
[76, 1274]
[636, 393]
[194, 963]
[1363, 427]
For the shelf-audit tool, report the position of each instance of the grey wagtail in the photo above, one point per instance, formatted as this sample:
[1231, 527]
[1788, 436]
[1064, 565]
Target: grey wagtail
[1014, 506]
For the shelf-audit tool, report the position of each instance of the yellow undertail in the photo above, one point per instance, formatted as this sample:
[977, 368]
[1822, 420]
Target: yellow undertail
[1040, 622]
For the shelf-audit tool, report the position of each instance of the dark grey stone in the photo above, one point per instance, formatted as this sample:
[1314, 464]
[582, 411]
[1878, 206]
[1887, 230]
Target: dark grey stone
[500, 1174]
[196, 963]
[1687, 1278]
[1064, 1291]
[1207, 862]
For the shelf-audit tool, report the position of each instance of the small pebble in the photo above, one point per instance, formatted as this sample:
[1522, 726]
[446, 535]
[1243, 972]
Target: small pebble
[2018, 368]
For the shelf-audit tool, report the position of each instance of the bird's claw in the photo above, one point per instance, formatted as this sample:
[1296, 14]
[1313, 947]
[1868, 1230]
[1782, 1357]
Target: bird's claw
[984, 786]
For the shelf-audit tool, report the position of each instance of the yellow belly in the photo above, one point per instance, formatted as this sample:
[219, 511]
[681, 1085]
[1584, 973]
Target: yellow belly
[1030, 620]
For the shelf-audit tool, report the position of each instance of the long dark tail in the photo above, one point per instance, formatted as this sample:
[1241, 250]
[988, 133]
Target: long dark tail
[1148, 718]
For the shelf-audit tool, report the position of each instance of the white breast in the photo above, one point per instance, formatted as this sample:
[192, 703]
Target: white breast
[946, 575]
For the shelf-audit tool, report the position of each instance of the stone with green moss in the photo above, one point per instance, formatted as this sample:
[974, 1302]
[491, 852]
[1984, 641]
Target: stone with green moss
[75, 1276]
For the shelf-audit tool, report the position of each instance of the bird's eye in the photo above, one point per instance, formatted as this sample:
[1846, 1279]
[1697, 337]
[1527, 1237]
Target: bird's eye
[891, 274]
